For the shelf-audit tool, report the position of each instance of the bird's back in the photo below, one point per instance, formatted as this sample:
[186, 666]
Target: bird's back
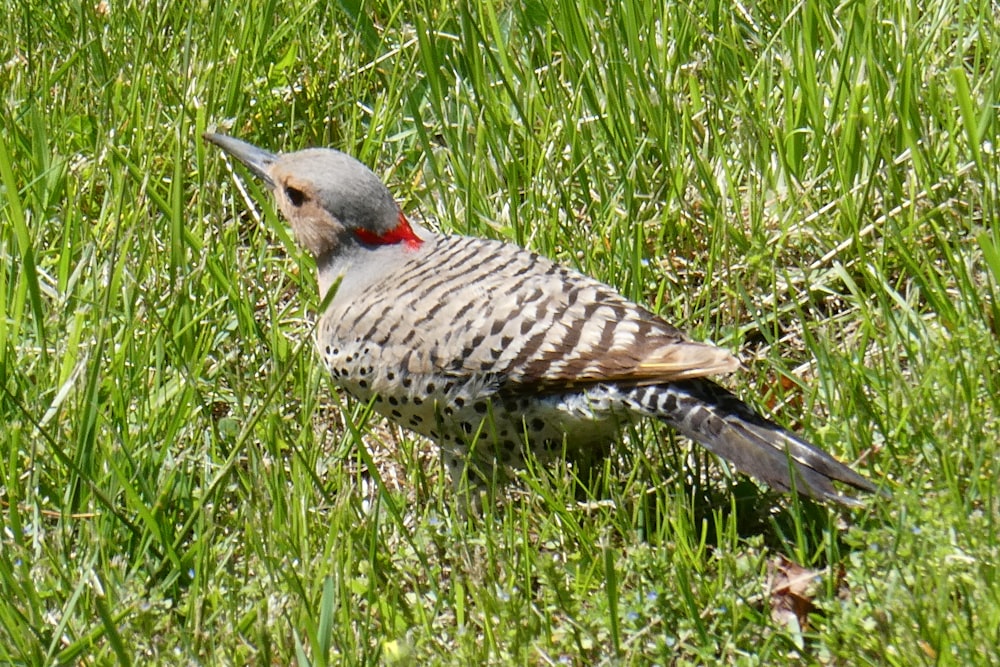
[461, 305]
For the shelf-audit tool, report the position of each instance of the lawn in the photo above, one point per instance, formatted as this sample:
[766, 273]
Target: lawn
[812, 186]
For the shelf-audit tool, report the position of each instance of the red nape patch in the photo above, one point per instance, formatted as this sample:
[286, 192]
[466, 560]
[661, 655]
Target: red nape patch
[401, 233]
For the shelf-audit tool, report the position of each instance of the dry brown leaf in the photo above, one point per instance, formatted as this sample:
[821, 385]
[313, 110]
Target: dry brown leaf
[791, 590]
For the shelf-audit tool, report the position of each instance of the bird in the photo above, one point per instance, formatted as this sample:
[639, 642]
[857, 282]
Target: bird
[498, 353]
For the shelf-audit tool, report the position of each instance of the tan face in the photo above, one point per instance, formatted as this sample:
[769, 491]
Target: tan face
[315, 228]
[330, 199]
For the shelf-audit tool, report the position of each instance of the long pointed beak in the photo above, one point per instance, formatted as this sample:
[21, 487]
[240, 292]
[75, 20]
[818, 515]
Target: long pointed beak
[256, 159]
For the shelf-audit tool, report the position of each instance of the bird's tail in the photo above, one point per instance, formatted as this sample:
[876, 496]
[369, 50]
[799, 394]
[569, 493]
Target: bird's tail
[728, 427]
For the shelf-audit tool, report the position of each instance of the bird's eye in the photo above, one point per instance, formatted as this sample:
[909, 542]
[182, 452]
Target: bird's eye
[295, 195]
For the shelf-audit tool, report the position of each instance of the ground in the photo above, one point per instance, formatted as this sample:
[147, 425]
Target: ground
[813, 187]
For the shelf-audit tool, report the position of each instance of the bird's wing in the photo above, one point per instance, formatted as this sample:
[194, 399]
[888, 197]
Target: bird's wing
[467, 306]
[536, 322]
[599, 336]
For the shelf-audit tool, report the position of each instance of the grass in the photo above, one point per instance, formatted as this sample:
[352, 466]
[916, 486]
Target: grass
[814, 186]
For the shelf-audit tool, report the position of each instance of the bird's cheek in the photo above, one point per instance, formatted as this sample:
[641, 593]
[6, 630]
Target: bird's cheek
[317, 233]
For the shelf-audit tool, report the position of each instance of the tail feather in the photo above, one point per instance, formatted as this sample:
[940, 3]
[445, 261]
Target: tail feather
[727, 427]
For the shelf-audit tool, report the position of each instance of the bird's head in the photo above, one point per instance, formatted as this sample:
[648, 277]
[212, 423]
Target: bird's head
[331, 200]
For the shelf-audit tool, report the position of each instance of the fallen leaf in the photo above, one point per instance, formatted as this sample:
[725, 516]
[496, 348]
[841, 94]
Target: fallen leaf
[791, 589]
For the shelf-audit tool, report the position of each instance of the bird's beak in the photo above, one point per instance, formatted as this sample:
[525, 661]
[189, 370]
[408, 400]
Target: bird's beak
[256, 159]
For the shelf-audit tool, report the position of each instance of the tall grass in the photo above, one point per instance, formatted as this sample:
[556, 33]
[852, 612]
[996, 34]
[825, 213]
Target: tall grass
[813, 186]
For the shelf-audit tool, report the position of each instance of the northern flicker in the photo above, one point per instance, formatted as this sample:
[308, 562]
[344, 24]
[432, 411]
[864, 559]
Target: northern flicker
[491, 349]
